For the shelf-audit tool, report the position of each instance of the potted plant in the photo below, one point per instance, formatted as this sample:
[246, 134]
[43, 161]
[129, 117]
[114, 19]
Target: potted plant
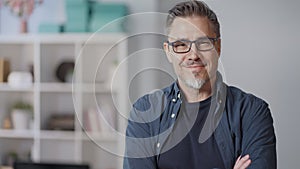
[21, 114]
[23, 9]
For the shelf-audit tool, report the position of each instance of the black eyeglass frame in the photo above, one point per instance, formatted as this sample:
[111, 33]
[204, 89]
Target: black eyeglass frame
[213, 40]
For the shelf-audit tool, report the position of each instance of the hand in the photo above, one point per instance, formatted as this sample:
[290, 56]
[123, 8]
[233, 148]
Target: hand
[242, 163]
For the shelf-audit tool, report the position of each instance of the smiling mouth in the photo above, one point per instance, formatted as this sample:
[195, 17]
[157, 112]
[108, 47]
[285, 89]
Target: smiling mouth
[197, 66]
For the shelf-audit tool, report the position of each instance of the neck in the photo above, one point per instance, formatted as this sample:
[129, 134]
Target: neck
[197, 95]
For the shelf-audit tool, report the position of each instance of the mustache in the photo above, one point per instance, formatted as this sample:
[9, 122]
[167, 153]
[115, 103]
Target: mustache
[192, 63]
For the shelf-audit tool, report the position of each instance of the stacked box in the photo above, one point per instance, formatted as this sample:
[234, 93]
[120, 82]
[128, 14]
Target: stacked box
[49, 28]
[77, 15]
[105, 13]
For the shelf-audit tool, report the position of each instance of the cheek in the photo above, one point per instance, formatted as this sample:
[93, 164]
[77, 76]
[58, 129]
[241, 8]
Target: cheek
[179, 70]
[212, 61]
[177, 61]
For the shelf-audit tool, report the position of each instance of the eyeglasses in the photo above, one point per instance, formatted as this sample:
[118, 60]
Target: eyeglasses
[202, 44]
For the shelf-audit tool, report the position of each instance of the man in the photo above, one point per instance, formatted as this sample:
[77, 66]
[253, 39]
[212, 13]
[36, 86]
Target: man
[198, 122]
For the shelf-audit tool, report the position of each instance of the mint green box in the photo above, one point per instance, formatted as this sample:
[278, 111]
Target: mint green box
[107, 13]
[75, 27]
[77, 14]
[105, 8]
[106, 23]
[49, 28]
[70, 3]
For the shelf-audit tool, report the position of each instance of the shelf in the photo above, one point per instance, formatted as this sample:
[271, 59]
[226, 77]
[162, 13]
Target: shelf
[16, 134]
[49, 96]
[56, 87]
[57, 135]
[5, 87]
[64, 38]
[69, 87]
[98, 136]
[71, 135]
[97, 88]
[59, 88]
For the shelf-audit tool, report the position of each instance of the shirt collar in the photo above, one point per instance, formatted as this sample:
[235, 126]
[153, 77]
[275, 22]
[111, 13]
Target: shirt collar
[219, 88]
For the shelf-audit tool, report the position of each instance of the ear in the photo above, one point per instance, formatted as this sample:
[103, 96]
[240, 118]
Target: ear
[167, 51]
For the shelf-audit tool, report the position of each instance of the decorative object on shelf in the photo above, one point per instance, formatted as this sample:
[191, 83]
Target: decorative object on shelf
[23, 9]
[31, 70]
[7, 123]
[21, 114]
[20, 79]
[61, 122]
[91, 121]
[4, 69]
[9, 158]
[96, 120]
[64, 71]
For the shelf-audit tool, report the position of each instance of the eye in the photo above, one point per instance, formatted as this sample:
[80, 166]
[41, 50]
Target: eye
[179, 44]
[204, 44]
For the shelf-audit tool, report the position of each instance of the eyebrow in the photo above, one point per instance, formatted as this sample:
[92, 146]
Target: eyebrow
[184, 39]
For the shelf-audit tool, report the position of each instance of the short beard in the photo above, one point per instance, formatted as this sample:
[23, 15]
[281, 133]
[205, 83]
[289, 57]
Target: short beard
[193, 83]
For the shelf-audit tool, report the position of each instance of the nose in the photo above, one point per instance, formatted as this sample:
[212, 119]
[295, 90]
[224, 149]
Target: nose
[194, 53]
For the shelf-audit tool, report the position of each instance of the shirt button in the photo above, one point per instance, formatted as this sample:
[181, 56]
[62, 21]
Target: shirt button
[157, 145]
[173, 100]
[220, 101]
[178, 95]
[172, 115]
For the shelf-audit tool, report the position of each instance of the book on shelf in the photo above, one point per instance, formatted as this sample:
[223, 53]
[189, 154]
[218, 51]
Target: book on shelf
[91, 122]
[4, 69]
[96, 121]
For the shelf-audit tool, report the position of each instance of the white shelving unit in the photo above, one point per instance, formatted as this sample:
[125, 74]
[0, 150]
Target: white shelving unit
[95, 57]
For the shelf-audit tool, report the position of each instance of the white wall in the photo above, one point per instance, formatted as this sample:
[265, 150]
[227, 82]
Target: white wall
[259, 53]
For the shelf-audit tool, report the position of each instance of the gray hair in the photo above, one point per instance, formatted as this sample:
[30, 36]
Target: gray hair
[193, 8]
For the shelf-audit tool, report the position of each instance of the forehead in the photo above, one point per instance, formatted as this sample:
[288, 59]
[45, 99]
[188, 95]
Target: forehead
[191, 28]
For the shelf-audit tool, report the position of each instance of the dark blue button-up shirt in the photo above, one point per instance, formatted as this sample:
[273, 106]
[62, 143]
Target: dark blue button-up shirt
[242, 124]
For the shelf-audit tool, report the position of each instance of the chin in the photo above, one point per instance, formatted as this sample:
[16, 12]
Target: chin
[195, 83]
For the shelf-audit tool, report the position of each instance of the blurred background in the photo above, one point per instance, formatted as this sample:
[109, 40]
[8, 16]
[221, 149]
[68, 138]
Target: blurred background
[43, 46]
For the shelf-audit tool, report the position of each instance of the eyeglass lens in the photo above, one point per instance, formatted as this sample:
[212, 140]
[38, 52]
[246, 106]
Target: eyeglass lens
[183, 46]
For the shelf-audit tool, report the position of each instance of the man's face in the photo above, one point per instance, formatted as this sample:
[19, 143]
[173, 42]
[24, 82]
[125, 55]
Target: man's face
[195, 67]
